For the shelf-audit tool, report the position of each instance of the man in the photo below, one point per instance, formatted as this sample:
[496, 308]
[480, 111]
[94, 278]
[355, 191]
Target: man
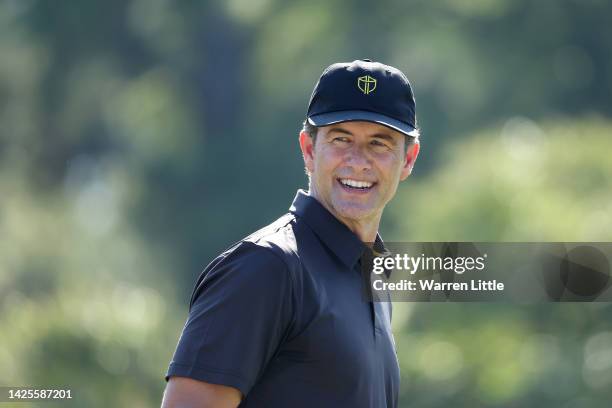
[278, 319]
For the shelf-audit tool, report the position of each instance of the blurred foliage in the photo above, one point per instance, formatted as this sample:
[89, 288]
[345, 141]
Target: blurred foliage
[519, 181]
[525, 182]
[139, 138]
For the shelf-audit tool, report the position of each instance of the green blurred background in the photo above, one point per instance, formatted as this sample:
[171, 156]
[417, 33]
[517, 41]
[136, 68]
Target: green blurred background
[140, 138]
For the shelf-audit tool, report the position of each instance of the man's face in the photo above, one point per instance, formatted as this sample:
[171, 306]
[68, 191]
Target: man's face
[355, 168]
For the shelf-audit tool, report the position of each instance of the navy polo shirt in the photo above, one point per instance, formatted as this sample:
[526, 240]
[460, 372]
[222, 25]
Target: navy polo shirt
[281, 316]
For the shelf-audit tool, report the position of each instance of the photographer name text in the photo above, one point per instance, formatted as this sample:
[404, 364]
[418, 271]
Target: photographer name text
[430, 285]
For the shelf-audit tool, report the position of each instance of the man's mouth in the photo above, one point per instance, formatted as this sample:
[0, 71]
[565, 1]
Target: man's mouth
[356, 185]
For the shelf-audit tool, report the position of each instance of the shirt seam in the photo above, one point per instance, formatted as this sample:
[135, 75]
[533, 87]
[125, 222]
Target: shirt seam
[288, 269]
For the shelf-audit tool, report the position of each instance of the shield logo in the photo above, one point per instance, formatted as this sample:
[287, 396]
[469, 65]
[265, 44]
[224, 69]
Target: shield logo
[366, 84]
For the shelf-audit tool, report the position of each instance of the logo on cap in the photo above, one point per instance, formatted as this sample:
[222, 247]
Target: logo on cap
[366, 84]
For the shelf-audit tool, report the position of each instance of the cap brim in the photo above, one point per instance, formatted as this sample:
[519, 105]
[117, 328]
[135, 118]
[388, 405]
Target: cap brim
[325, 119]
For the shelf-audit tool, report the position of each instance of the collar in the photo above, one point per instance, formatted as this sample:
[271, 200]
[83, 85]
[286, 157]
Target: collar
[332, 232]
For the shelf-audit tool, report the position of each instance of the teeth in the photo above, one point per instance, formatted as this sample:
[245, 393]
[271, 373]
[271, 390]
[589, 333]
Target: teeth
[356, 184]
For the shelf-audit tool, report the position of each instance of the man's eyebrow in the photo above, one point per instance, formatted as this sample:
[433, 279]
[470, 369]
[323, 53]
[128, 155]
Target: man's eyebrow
[385, 136]
[339, 130]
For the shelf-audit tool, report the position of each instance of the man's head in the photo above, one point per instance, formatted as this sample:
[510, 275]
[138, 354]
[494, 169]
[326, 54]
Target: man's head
[359, 139]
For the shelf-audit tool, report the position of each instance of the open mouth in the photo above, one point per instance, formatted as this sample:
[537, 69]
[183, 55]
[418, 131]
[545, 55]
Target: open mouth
[356, 185]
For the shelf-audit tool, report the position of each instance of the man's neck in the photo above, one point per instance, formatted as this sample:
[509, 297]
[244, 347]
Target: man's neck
[365, 229]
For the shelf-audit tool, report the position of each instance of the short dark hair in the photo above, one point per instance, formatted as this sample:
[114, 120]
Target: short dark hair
[312, 130]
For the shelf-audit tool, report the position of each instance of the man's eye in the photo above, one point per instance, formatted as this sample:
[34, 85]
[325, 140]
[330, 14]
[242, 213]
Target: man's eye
[378, 143]
[341, 139]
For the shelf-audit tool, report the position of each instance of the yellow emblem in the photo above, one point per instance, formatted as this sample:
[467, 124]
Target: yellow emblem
[366, 84]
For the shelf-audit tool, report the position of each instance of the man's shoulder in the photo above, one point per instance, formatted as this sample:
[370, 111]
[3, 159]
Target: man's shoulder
[274, 243]
[278, 237]
[268, 254]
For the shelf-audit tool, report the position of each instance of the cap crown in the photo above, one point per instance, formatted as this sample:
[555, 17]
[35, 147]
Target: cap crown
[363, 85]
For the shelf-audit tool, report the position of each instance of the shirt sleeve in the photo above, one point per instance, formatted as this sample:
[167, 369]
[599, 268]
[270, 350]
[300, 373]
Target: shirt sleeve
[240, 312]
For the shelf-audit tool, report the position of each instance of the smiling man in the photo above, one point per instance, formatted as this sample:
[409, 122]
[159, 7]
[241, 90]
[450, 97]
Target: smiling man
[278, 319]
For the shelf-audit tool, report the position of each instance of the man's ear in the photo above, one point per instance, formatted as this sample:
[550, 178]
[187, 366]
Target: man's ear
[307, 147]
[411, 155]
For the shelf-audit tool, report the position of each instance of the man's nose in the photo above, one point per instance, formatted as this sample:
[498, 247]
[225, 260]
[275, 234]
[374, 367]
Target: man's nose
[359, 158]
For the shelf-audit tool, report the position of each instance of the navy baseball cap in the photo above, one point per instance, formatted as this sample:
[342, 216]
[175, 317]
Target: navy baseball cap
[363, 90]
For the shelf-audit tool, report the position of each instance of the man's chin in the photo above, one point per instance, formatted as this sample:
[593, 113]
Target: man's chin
[351, 211]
